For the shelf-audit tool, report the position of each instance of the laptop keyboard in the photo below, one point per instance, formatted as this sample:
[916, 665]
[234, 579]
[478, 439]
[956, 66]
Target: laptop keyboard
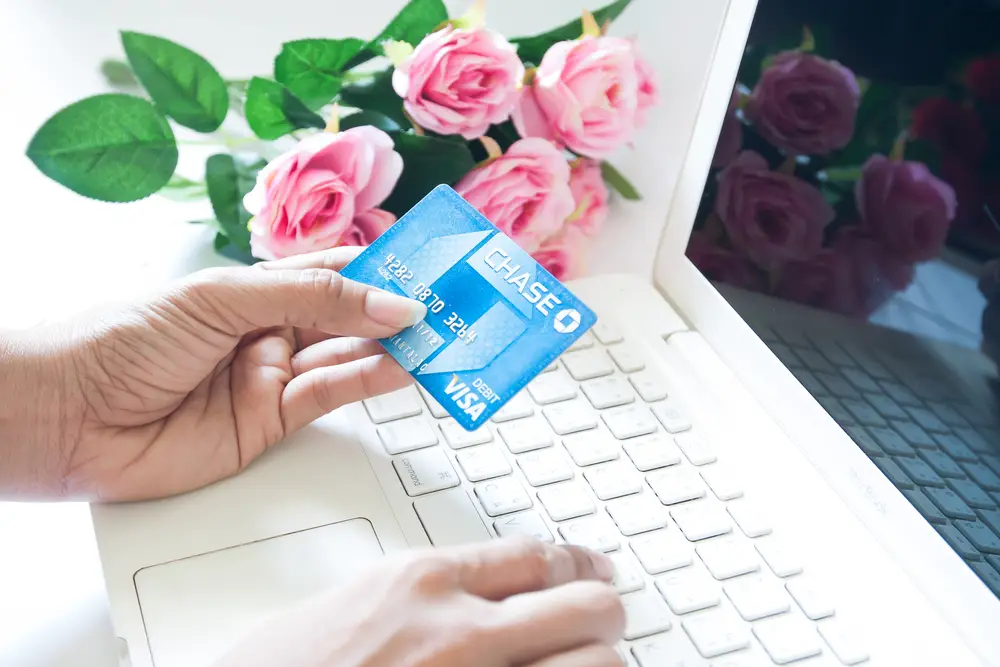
[939, 450]
[599, 451]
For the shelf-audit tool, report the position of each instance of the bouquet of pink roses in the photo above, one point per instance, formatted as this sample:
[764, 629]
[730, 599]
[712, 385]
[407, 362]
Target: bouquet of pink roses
[521, 128]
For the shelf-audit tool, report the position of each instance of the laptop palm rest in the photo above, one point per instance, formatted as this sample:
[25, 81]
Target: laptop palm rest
[195, 608]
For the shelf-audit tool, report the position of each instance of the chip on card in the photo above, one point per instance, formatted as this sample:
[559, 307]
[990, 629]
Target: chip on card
[495, 317]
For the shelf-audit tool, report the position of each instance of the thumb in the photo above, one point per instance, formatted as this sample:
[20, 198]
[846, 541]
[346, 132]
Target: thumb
[236, 301]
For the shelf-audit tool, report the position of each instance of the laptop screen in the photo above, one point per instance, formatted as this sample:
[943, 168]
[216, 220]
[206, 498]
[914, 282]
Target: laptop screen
[852, 217]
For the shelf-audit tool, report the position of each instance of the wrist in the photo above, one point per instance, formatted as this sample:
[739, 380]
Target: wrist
[38, 416]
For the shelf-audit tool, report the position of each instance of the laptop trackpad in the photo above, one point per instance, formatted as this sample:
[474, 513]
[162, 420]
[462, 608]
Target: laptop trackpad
[195, 608]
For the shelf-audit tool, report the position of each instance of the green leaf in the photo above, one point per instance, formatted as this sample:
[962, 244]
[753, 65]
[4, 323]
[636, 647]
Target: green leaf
[111, 147]
[182, 83]
[272, 111]
[427, 163]
[228, 182]
[531, 49]
[118, 74]
[373, 118]
[180, 189]
[413, 22]
[312, 69]
[376, 94]
[618, 182]
[877, 125]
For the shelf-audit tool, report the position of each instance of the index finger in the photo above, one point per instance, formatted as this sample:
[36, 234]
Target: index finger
[503, 568]
[333, 259]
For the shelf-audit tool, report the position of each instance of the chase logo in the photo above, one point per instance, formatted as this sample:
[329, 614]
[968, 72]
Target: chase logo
[567, 320]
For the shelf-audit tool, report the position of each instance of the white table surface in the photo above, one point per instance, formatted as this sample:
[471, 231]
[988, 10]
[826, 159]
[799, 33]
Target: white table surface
[61, 253]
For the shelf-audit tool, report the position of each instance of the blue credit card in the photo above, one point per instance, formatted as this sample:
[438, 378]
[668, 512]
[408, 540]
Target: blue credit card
[495, 317]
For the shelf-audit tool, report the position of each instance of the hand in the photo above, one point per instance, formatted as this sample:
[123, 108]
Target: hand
[498, 604]
[190, 387]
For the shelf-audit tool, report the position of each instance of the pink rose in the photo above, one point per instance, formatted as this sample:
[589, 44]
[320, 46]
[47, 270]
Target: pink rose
[367, 227]
[564, 255]
[590, 197]
[584, 95]
[309, 197]
[525, 192]
[770, 216]
[460, 81]
[723, 265]
[905, 206]
[731, 136]
[855, 276]
[804, 104]
[648, 91]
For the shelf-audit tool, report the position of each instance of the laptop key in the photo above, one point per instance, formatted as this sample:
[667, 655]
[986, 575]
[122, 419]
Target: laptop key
[860, 379]
[891, 442]
[722, 481]
[425, 471]
[525, 435]
[672, 419]
[566, 501]
[836, 385]
[756, 597]
[458, 438]
[955, 447]
[943, 464]
[649, 384]
[394, 405]
[989, 576]
[628, 578]
[841, 641]
[957, 541]
[661, 551]
[637, 514]
[608, 392]
[836, 410]
[700, 521]
[787, 638]
[948, 414]
[482, 463]
[811, 600]
[503, 496]
[450, 518]
[972, 493]
[786, 356]
[914, 435]
[717, 633]
[596, 533]
[749, 518]
[676, 485]
[834, 352]
[815, 361]
[920, 472]
[528, 524]
[950, 504]
[782, 560]
[992, 461]
[924, 505]
[900, 394]
[543, 467]
[407, 435]
[629, 421]
[895, 474]
[886, 406]
[980, 535]
[570, 416]
[592, 447]
[728, 558]
[552, 388]
[627, 357]
[864, 413]
[519, 407]
[613, 480]
[606, 333]
[927, 420]
[652, 452]
[991, 518]
[982, 476]
[645, 614]
[974, 440]
[588, 364]
[696, 448]
[688, 590]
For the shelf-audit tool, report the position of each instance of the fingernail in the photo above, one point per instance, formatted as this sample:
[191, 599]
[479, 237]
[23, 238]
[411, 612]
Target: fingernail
[394, 311]
[603, 566]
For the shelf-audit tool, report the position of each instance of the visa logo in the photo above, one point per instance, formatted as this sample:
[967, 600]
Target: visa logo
[467, 400]
[535, 293]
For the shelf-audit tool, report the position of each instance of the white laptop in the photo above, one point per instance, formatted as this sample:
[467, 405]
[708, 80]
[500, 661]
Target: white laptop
[747, 527]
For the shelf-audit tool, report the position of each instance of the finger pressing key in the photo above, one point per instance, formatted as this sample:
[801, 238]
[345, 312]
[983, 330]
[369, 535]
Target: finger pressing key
[500, 569]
